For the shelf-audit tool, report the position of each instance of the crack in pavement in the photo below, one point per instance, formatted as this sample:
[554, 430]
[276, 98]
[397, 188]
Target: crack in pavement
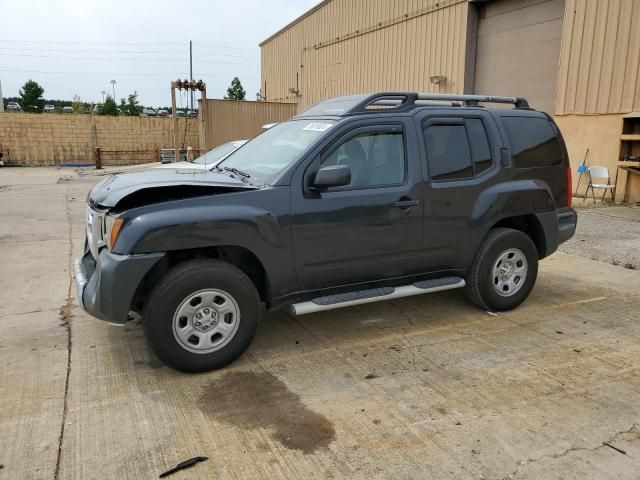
[65, 316]
[514, 475]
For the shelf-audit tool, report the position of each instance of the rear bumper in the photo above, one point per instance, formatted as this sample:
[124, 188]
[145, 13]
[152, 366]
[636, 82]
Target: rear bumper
[567, 222]
[106, 287]
[558, 226]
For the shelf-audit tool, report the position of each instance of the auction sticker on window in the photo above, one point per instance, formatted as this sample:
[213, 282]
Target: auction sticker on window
[318, 127]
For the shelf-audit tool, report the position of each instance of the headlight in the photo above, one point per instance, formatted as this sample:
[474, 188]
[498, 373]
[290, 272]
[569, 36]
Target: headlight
[112, 226]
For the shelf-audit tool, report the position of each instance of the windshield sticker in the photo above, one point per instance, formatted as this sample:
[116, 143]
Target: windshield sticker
[318, 127]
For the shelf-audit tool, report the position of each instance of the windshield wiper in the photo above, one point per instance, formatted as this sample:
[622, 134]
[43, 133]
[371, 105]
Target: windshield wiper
[240, 173]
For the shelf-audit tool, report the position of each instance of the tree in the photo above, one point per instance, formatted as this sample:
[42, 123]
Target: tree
[31, 97]
[109, 107]
[131, 107]
[235, 90]
[78, 105]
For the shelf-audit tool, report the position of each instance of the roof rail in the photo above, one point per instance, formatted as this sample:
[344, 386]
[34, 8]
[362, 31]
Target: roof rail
[398, 101]
[473, 100]
[402, 100]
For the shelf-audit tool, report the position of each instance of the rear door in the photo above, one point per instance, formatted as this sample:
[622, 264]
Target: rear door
[461, 160]
[370, 229]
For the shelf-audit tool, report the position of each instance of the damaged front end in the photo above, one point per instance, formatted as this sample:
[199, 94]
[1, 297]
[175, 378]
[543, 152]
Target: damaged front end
[106, 280]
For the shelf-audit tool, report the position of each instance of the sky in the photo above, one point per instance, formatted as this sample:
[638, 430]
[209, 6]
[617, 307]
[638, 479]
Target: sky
[76, 47]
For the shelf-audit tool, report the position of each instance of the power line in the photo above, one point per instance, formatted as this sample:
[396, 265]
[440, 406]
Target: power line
[49, 42]
[226, 46]
[159, 52]
[89, 43]
[109, 52]
[165, 74]
[59, 57]
[126, 52]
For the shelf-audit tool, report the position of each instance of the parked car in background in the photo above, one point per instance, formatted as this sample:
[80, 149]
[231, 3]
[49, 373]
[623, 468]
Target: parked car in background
[209, 159]
[49, 109]
[168, 155]
[163, 113]
[13, 107]
[148, 112]
[67, 110]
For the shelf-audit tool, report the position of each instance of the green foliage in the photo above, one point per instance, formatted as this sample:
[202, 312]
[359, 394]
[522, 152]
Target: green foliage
[131, 106]
[31, 97]
[109, 107]
[78, 105]
[235, 90]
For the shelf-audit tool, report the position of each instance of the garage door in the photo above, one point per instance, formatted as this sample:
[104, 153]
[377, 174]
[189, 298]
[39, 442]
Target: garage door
[518, 50]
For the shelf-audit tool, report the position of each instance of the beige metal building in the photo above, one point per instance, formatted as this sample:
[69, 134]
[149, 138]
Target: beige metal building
[575, 59]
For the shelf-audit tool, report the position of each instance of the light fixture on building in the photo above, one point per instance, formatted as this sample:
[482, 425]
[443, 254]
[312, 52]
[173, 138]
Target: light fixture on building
[438, 79]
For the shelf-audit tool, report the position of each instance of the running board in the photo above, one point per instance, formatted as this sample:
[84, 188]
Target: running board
[340, 300]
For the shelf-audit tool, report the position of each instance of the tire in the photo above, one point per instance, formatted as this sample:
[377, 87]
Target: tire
[221, 296]
[492, 280]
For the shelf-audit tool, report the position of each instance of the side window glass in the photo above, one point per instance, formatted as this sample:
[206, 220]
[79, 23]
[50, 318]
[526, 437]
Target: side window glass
[533, 142]
[376, 159]
[448, 152]
[480, 150]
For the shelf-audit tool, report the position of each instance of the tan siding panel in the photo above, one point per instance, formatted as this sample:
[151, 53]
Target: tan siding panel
[229, 120]
[599, 63]
[355, 46]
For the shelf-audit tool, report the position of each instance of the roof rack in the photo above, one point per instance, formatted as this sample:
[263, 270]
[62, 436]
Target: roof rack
[399, 101]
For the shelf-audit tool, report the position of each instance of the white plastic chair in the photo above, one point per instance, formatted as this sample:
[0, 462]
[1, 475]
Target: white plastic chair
[600, 173]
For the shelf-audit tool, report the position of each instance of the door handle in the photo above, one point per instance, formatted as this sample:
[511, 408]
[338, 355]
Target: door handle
[406, 204]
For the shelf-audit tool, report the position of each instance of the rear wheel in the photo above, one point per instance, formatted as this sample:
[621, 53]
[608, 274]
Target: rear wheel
[202, 315]
[504, 270]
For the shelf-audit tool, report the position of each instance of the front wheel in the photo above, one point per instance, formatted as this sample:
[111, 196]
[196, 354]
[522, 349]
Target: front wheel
[504, 270]
[202, 315]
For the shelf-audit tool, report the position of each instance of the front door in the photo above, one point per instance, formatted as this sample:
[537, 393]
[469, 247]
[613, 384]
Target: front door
[372, 228]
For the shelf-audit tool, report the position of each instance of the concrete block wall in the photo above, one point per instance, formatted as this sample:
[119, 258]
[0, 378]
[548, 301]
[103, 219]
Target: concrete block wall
[54, 139]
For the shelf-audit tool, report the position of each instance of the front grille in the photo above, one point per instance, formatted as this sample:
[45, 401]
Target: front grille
[95, 231]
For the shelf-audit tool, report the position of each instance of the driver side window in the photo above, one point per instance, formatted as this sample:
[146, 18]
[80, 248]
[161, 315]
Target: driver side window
[375, 159]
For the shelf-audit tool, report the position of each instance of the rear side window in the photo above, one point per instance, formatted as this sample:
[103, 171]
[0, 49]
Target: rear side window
[457, 151]
[533, 141]
[479, 144]
[448, 152]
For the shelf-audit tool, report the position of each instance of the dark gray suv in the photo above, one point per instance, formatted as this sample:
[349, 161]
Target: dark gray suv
[358, 199]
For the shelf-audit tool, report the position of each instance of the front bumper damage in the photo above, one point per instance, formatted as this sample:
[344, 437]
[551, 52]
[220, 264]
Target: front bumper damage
[106, 286]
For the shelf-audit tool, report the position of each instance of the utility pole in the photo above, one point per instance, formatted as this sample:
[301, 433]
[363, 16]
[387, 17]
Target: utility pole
[191, 69]
[191, 86]
[1, 100]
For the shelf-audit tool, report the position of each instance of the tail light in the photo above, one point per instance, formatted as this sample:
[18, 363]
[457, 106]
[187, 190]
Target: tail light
[569, 186]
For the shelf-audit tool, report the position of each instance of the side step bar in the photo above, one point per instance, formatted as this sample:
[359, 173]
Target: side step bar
[331, 302]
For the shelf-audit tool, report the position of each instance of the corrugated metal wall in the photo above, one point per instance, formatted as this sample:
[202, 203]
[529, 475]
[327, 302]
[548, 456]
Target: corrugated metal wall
[600, 57]
[228, 120]
[356, 46]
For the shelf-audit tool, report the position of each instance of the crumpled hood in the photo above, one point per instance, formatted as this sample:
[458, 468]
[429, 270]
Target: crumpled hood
[187, 165]
[111, 190]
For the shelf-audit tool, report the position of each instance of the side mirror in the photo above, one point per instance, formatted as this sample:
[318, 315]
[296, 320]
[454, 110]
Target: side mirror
[332, 176]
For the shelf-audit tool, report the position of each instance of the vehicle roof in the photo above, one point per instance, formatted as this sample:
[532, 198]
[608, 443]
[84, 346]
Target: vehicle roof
[402, 102]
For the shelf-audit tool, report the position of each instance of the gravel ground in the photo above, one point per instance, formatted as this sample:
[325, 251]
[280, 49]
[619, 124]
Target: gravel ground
[608, 234]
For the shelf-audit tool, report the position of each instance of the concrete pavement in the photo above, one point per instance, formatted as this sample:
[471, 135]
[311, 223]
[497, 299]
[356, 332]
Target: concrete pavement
[423, 387]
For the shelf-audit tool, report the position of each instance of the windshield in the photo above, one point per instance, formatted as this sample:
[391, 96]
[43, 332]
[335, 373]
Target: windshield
[271, 152]
[214, 156]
